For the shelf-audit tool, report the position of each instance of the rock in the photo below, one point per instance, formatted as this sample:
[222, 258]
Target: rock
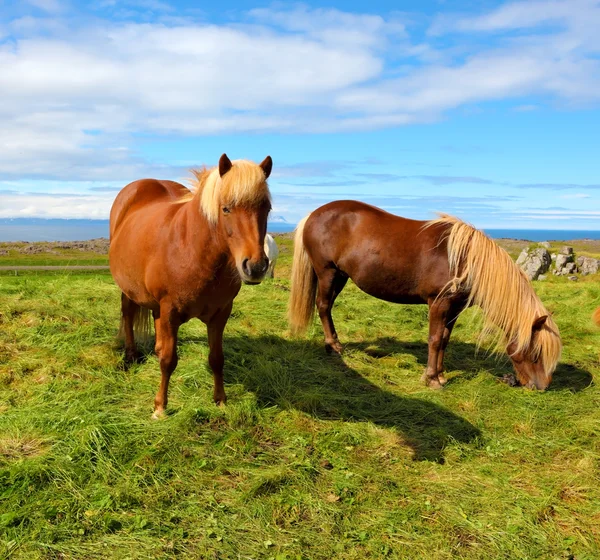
[523, 256]
[542, 277]
[564, 250]
[553, 256]
[563, 259]
[574, 278]
[544, 244]
[588, 265]
[571, 268]
[535, 262]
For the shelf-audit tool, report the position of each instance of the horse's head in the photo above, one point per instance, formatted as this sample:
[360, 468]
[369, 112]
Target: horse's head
[532, 370]
[244, 205]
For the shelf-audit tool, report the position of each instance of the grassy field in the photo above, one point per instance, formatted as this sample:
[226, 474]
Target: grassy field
[314, 457]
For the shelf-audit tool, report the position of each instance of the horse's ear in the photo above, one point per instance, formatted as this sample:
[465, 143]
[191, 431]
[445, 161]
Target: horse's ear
[539, 323]
[224, 165]
[267, 166]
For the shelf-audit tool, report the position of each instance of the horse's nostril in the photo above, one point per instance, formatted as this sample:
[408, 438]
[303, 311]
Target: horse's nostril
[245, 266]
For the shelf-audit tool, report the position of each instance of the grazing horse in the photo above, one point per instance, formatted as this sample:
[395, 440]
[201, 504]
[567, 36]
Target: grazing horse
[272, 253]
[182, 254]
[445, 263]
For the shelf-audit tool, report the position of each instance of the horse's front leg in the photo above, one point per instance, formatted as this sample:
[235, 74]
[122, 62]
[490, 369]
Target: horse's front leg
[438, 310]
[216, 359]
[451, 317]
[167, 324]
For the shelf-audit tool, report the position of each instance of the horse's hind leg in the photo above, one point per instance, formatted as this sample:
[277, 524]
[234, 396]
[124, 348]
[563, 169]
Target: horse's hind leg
[438, 313]
[331, 283]
[129, 310]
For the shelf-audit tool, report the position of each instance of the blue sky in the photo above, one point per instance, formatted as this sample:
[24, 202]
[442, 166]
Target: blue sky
[484, 109]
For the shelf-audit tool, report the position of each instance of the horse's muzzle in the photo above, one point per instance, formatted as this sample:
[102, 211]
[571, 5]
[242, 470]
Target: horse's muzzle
[254, 272]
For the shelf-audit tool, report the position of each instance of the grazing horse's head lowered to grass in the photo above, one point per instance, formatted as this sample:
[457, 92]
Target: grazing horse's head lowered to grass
[492, 281]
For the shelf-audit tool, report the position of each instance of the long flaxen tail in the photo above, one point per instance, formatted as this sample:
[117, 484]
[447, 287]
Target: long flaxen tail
[142, 328]
[301, 307]
[596, 316]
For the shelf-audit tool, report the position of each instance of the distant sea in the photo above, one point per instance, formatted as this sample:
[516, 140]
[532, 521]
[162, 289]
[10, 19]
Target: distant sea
[37, 229]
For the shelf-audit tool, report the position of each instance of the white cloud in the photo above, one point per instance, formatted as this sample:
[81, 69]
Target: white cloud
[576, 195]
[47, 5]
[52, 206]
[284, 70]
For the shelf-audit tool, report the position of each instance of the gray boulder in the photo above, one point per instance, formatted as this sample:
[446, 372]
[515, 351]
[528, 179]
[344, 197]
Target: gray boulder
[569, 268]
[535, 262]
[588, 265]
[563, 259]
[564, 250]
[523, 256]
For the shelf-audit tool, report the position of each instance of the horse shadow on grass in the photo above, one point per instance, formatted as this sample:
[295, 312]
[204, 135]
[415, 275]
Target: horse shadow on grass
[471, 360]
[299, 375]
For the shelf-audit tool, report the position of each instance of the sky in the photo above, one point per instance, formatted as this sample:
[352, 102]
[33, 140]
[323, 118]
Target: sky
[487, 110]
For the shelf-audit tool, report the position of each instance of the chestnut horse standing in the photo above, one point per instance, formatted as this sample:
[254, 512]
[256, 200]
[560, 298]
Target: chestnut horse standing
[445, 263]
[181, 255]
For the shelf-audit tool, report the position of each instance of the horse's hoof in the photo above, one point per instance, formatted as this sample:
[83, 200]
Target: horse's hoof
[159, 414]
[220, 400]
[131, 358]
[432, 382]
[442, 379]
[335, 348]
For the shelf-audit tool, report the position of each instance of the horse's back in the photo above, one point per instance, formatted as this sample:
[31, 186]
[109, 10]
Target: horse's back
[390, 257]
[139, 195]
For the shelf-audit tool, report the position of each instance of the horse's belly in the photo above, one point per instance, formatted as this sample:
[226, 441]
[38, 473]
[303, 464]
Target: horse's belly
[389, 288]
[394, 296]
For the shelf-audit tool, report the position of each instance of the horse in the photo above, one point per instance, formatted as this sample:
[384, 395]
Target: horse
[596, 316]
[444, 263]
[180, 255]
[272, 253]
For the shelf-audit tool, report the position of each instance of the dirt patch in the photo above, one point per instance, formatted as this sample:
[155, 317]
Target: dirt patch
[16, 448]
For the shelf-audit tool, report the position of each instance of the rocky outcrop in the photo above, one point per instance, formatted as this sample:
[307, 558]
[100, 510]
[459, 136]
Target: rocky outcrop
[565, 262]
[534, 262]
[588, 265]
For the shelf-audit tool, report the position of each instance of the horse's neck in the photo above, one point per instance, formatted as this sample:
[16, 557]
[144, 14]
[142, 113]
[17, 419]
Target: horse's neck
[199, 235]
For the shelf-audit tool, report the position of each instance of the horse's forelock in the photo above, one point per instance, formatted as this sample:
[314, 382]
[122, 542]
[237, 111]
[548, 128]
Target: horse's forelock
[244, 184]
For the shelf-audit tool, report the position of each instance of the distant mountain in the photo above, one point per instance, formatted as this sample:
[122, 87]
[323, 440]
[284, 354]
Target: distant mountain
[278, 220]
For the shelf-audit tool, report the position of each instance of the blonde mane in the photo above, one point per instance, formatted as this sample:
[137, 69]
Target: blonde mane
[244, 184]
[496, 284]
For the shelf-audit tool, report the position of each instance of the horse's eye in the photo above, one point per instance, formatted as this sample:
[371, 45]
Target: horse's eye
[226, 210]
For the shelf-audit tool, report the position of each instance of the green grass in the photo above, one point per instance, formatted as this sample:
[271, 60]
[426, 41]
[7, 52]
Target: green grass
[314, 457]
